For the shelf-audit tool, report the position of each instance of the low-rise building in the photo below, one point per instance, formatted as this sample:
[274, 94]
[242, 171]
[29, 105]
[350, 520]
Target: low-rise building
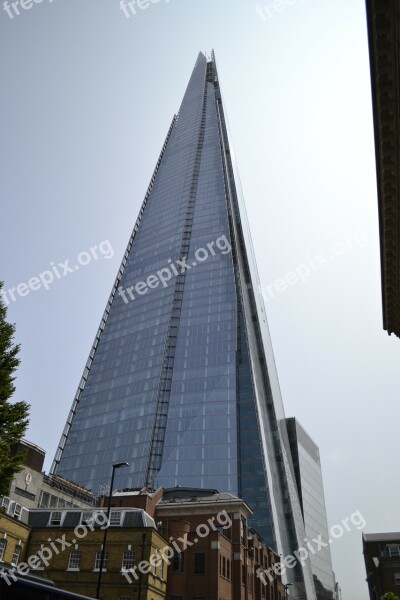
[14, 535]
[382, 563]
[221, 556]
[213, 555]
[32, 488]
[66, 546]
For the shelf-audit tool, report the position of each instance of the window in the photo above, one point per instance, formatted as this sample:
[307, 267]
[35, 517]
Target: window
[17, 511]
[44, 500]
[98, 560]
[199, 563]
[397, 578]
[223, 566]
[16, 554]
[87, 518]
[3, 546]
[243, 531]
[177, 562]
[74, 560]
[115, 518]
[394, 550]
[128, 558]
[228, 568]
[55, 519]
[243, 575]
[5, 502]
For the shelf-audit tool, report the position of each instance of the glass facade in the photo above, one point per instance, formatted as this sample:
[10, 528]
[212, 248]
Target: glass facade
[307, 467]
[181, 380]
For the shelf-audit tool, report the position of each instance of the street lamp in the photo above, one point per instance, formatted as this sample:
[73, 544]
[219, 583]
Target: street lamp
[286, 590]
[103, 552]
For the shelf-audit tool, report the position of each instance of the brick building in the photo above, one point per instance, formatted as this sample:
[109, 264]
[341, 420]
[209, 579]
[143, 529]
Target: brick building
[14, 535]
[382, 563]
[132, 538]
[216, 555]
[209, 552]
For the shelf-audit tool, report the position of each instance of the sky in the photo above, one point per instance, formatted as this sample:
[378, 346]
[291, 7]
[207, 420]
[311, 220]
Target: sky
[88, 97]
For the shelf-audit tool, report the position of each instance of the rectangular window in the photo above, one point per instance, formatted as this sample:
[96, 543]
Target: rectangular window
[97, 562]
[5, 502]
[17, 511]
[3, 545]
[74, 560]
[397, 578]
[394, 550]
[55, 519]
[87, 518]
[128, 558]
[115, 518]
[16, 555]
[199, 563]
[177, 563]
[243, 531]
[45, 500]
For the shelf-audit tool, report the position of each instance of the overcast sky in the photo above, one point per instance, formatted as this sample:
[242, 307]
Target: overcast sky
[88, 96]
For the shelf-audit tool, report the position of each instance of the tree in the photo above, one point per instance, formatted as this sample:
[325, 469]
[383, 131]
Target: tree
[13, 416]
[390, 596]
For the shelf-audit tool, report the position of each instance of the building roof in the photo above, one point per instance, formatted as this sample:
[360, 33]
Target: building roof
[382, 537]
[210, 498]
[135, 492]
[134, 517]
[33, 446]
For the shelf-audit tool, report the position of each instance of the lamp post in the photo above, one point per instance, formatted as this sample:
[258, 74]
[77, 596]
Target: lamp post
[103, 552]
[286, 590]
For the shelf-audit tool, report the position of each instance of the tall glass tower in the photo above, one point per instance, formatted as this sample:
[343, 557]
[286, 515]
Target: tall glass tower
[181, 381]
[308, 473]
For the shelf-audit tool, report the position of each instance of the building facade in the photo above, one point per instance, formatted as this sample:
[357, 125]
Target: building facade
[382, 563]
[383, 18]
[308, 473]
[74, 565]
[181, 380]
[214, 553]
[32, 488]
[224, 554]
[14, 536]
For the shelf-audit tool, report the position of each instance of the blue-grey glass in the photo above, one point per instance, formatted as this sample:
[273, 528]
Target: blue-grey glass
[307, 467]
[181, 381]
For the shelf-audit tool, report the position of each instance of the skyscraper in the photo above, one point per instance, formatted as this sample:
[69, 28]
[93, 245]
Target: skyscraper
[181, 381]
[308, 473]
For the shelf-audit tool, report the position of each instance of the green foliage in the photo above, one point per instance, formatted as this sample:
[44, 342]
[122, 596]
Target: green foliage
[390, 596]
[13, 416]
